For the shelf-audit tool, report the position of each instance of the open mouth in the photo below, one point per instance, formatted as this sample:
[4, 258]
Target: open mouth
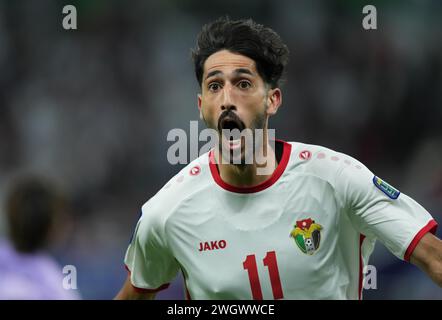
[230, 123]
[231, 137]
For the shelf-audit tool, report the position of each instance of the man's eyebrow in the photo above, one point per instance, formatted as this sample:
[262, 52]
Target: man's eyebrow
[236, 72]
[243, 70]
[213, 73]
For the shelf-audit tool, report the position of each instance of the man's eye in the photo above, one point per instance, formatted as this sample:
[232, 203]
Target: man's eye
[244, 84]
[214, 86]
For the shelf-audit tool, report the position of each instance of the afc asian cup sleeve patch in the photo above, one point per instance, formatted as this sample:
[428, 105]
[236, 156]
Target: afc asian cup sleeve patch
[390, 191]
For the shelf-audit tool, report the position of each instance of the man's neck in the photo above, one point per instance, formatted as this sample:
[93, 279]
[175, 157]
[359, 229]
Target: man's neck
[249, 175]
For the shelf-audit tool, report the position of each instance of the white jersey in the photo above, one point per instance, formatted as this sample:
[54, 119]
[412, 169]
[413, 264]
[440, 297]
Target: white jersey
[305, 233]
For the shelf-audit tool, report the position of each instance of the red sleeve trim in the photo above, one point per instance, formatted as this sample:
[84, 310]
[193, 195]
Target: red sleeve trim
[143, 290]
[430, 227]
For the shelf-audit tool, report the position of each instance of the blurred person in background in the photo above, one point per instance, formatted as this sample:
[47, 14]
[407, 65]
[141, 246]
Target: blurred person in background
[27, 270]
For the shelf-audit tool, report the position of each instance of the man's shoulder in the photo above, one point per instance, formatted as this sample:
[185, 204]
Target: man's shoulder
[298, 146]
[320, 161]
[189, 181]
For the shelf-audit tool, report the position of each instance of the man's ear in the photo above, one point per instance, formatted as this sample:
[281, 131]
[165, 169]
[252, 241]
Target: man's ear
[274, 101]
[199, 106]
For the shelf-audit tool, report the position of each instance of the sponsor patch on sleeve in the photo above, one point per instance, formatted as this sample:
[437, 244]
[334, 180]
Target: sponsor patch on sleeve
[390, 191]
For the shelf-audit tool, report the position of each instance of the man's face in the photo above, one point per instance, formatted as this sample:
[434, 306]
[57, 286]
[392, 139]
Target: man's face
[234, 96]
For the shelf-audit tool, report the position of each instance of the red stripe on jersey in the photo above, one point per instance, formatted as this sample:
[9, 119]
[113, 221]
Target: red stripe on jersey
[430, 227]
[287, 147]
[361, 266]
[143, 290]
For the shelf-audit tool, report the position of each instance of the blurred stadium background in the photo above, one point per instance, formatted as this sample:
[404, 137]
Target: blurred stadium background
[90, 109]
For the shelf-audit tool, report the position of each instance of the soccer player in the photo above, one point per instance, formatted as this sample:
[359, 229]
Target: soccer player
[304, 230]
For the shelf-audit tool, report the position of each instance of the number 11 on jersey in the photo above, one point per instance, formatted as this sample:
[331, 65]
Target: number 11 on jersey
[270, 262]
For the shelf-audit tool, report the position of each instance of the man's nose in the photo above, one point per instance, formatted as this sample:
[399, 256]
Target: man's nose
[227, 99]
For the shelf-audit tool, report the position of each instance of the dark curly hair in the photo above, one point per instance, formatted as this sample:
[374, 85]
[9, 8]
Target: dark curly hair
[246, 37]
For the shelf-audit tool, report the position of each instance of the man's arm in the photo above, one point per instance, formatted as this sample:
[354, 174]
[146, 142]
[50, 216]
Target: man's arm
[428, 256]
[129, 292]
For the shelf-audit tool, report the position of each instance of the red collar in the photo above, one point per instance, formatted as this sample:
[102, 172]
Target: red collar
[263, 185]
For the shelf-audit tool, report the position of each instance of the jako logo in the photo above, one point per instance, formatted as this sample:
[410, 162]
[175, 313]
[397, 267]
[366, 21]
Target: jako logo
[212, 245]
